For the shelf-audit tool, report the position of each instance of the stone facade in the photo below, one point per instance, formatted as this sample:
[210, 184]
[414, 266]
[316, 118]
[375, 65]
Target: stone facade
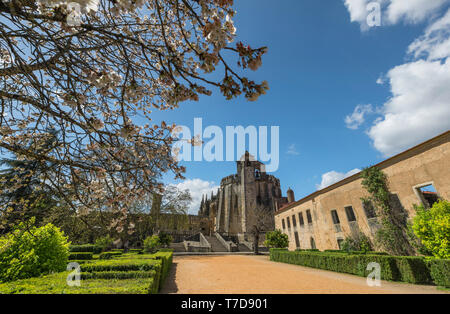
[323, 219]
[250, 188]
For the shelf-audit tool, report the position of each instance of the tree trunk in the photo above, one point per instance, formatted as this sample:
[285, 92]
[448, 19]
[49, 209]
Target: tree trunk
[256, 244]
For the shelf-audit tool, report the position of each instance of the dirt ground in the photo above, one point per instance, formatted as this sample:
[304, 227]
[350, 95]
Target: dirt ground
[237, 274]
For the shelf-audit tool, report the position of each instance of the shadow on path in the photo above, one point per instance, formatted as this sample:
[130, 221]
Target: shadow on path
[170, 285]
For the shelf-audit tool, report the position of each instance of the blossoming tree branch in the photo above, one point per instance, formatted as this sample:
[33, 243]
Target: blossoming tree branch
[76, 76]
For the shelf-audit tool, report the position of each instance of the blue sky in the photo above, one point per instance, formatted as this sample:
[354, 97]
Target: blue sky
[321, 65]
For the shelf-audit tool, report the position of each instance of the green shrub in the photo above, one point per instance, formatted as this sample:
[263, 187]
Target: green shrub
[152, 244]
[432, 227]
[357, 242]
[104, 243]
[307, 250]
[29, 251]
[79, 261]
[85, 248]
[166, 258]
[276, 239]
[56, 284]
[394, 268]
[440, 271]
[118, 274]
[152, 265]
[165, 239]
[123, 265]
[355, 252]
[109, 255]
[80, 256]
[413, 269]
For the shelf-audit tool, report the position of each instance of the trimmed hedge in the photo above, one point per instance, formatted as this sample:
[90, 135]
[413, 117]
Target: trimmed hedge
[109, 255]
[440, 271]
[79, 261]
[86, 248]
[393, 268]
[56, 284]
[118, 274]
[306, 250]
[166, 257]
[80, 256]
[123, 265]
[355, 252]
[126, 269]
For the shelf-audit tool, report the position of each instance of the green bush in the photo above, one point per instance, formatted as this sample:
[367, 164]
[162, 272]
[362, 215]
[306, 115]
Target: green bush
[276, 239]
[394, 268]
[355, 252]
[80, 256]
[118, 274]
[29, 251]
[123, 265]
[109, 255]
[85, 248]
[104, 243]
[165, 239]
[413, 269]
[56, 284]
[432, 227]
[357, 242]
[152, 244]
[440, 272]
[166, 258]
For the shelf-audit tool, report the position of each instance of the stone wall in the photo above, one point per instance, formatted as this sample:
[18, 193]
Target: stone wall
[425, 164]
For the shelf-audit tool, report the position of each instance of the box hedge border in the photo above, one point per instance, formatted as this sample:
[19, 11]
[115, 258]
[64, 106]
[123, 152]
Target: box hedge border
[80, 256]
[86, 248]
[413, 269]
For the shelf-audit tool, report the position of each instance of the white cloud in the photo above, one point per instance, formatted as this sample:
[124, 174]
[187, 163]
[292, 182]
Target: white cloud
[197, 188]
[435, 43]
[394, 11]
[292, 150]
[332, 177]
[419, 108]
[412, 11]
[357, 118]
[357, 9]
[380, 80]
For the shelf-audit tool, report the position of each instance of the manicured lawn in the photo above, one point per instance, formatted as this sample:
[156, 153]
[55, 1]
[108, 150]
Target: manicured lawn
[56, 284]
[130, 273]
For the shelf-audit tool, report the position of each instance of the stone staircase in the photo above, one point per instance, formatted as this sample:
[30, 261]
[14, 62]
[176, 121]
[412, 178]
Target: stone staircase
[216, 246]
[243, 248]
[178, 247]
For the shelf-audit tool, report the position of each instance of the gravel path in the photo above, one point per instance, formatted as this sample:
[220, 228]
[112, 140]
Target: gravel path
[256, 274]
